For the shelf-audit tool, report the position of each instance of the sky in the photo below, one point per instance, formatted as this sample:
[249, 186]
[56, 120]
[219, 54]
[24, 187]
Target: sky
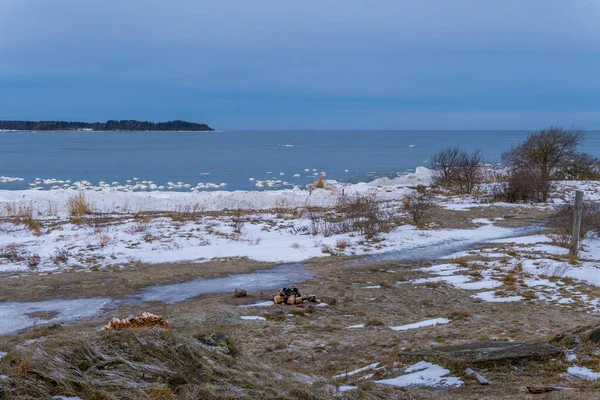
[309, 64]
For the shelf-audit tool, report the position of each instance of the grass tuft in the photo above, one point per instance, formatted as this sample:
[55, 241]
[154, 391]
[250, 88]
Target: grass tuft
[79, 206]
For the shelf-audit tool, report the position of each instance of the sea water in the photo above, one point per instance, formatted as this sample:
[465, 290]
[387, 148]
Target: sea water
[237, 160]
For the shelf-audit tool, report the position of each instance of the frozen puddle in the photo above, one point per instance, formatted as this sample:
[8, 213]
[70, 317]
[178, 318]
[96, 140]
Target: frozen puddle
[427, 322]
[446, 247]
[424, 374]
[273, 278]
[17, 316]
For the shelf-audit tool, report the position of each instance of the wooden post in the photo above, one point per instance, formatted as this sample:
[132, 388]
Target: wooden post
[577, 212]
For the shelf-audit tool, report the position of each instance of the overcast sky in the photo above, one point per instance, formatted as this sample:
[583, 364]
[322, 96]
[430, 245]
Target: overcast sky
[321, 64]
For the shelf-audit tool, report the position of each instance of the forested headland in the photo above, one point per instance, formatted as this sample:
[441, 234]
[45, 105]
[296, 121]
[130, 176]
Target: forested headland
[111, 125]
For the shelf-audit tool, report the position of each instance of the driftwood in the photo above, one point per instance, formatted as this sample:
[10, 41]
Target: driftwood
[146, 320]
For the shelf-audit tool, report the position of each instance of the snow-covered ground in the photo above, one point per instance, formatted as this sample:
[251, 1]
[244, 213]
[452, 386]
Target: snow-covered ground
[136, 226]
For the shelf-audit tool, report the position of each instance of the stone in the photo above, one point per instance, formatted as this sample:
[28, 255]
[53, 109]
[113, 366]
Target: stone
[239, 292]
[292, 300]
[486, 353]
[594, 336]
[332, 301]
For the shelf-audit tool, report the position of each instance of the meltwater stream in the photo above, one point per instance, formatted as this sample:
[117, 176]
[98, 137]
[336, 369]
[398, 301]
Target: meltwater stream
[15, 316]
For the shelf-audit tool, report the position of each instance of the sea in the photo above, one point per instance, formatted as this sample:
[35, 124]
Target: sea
[231, 160]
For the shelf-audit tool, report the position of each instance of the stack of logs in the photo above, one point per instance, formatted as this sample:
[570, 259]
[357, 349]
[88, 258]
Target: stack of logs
[146, 320]
[291, 296]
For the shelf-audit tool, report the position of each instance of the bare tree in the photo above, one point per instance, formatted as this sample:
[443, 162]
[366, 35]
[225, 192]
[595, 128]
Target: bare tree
[469, 171]
[458, 169]
[444, 162]
[546, 151]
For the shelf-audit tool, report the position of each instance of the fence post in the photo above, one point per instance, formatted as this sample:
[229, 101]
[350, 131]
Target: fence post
[577, 212]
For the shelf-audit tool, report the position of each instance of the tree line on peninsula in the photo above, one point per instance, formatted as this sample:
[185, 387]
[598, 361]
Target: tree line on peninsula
[111, 125]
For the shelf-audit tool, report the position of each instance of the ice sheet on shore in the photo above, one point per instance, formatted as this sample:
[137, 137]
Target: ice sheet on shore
[14, 315]
[424, 374]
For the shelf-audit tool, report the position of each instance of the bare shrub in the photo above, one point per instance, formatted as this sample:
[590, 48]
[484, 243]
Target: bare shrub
[561, 222]
[60, 256]
[458, 170]
[444, 162]
[523, 186]
[418, 206]
[237, 220]
[78, 205]
[342, 243]
[140, 226]
[33, 261]
[185, 212]
[548, 152]
[583, 166]
[364, 214]
[103, 241]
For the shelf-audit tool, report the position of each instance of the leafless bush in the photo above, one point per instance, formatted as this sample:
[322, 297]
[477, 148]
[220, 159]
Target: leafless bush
[523, 186]
[237, 220]
[34, 260]
[185, 212]
[561, 221]
[583, 166]
[353, 213]
[342, 243]
[365, 214]
[418, 206]
[60, 256]
[458, 170]
[550, 152]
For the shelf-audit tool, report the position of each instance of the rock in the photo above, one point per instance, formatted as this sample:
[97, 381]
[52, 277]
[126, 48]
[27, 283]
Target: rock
[332, 301]
[292, 300]
[483, 353]
[278, 299]
[594, 336]
[239, 292]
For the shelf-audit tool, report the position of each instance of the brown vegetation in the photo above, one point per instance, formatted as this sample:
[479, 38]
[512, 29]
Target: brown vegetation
[79, 205]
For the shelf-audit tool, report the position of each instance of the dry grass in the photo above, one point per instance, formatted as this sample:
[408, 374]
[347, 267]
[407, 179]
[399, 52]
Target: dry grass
[23, 214]
[320, 183]
[145, 363]
[342, 243]
[186, 212]
[79, 206]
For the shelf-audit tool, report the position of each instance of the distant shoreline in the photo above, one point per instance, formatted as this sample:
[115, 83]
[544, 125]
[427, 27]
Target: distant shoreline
[130, 125]
[97, 131]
